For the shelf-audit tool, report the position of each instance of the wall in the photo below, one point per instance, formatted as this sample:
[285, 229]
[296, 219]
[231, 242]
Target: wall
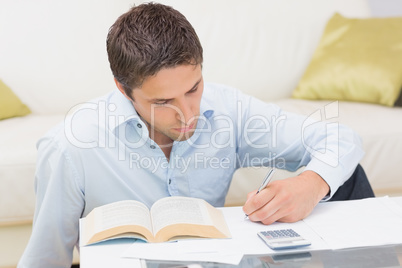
[385, 8]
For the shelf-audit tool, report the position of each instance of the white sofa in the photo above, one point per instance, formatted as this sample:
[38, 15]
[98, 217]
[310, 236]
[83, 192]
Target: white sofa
[53, 56]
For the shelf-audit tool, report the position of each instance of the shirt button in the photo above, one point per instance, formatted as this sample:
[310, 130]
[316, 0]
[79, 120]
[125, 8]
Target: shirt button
[170, 180]
[152, 146]
[139, 125]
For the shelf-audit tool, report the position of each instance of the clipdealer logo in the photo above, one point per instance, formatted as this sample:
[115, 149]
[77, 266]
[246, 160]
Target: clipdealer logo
[113, 133]
[328, 149]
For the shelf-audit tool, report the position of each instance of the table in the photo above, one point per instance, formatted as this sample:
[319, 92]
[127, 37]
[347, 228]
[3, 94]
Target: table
[107, 254]
[386, 256]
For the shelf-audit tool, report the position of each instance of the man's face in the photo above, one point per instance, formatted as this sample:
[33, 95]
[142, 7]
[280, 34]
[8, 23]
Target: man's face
[170, 102]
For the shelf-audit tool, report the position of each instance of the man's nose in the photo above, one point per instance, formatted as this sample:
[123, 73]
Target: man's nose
[185, 113]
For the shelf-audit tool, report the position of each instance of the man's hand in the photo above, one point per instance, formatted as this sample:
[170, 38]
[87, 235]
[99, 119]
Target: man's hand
[286, 200]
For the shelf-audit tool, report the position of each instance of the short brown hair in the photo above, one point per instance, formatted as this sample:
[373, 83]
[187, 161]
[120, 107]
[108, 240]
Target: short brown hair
[148, 38]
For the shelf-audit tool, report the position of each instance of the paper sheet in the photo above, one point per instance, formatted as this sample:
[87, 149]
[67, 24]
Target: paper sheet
[244, 233]
[211, 250]
[107, 254]
[358, 223]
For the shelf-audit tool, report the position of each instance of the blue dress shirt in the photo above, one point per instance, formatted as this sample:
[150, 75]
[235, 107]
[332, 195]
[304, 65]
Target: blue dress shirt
[102, 153]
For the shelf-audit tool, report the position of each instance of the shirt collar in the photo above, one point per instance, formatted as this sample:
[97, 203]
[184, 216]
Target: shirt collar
[122, 109]
[205, 108]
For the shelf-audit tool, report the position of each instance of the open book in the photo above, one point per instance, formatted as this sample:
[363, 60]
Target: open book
[169, 218]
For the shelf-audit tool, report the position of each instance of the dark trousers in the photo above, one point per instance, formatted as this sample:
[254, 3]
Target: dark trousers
[356, 187]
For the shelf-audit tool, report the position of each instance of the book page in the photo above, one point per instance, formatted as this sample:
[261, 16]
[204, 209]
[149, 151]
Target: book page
[121, 213]
[172, 210]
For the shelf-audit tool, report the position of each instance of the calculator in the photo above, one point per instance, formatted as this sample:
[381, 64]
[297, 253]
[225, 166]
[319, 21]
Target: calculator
[283, 239]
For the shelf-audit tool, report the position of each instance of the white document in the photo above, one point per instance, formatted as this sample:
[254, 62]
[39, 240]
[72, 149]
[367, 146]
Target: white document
[246, 241]
[358, 223]
[107, 254]
[210, 250]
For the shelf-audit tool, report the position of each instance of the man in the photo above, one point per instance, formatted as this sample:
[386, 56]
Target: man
[164, 132]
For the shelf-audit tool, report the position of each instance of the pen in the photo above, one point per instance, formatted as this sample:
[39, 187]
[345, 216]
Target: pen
[265, 182]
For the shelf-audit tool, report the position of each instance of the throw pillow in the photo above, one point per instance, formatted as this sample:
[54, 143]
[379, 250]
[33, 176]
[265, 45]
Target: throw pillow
[356, 60]
[10, 104]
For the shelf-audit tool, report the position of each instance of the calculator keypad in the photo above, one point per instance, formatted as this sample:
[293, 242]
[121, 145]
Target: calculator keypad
[280, 234]
[281, 239]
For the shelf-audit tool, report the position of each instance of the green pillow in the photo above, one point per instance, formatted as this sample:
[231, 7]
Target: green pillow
[356, 60]
[10, 104]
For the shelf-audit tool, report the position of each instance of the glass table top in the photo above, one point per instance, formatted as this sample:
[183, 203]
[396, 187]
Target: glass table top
[384, 256]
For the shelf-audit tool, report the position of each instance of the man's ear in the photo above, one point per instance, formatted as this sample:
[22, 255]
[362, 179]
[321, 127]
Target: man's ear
[120, 87]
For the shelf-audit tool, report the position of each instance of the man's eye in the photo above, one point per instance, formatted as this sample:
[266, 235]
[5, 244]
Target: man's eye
[193, 90]
[161, 103]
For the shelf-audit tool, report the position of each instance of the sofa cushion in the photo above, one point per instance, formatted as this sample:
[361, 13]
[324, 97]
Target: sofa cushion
[356, 60]
[17, 164]
[10, 104]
